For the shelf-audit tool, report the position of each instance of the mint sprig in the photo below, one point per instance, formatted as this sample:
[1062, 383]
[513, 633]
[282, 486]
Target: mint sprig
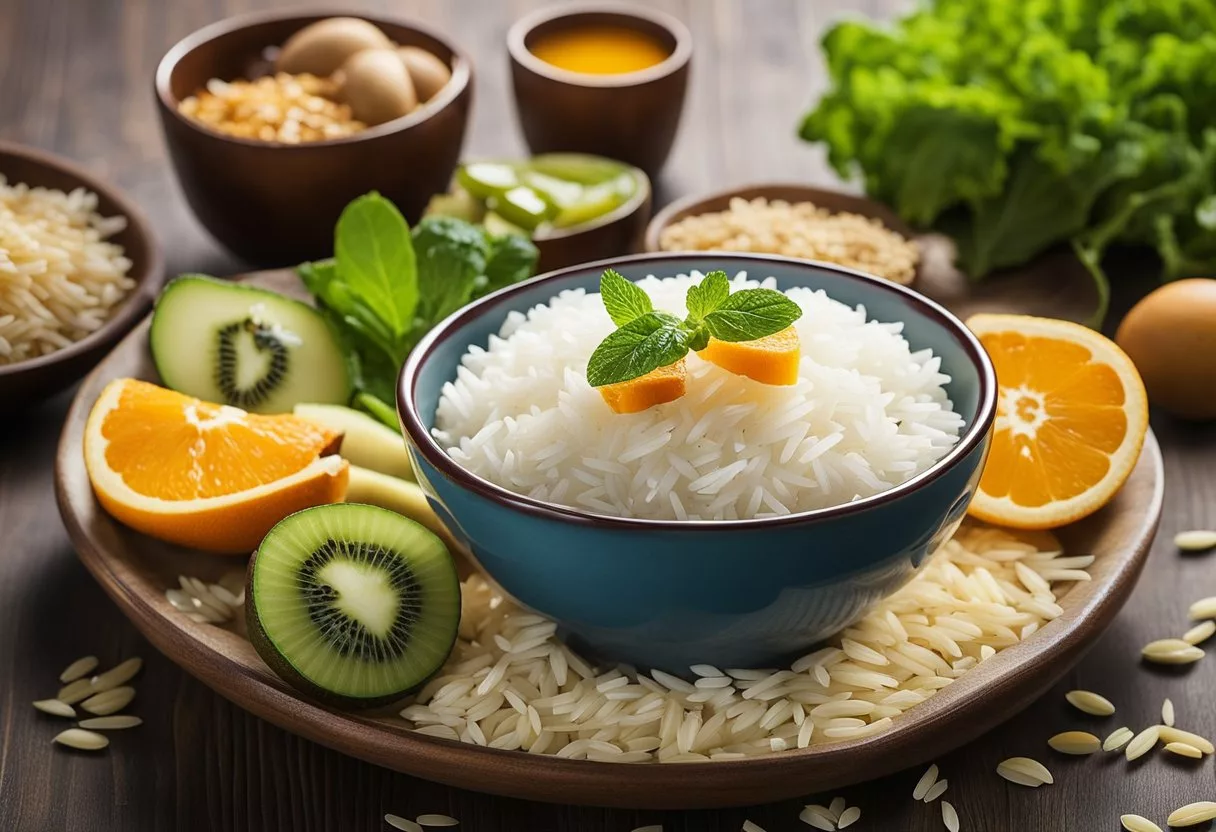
[646, 340]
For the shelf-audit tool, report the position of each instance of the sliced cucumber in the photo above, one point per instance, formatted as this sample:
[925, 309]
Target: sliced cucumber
[487, 179]
[522, 206]
[251, 348]
[582, 168]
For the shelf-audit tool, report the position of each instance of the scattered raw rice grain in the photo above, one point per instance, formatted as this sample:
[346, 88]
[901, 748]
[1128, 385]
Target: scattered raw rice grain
[398, 822]
[1171, 651]
[55, 708]
[1138, 823]
[109, 702]
[1167, 713]
[1183, 749]
[120, 674]
[81, 739]
[1143, 742]
[1192, 814]
[817, 817]
[1025, 772]
[949, 816]
[437, 820]
[1204, 608]
[1090, 702]
[748, 826]
[1075, 742]
[225, 596]
[925, 782]
[1117, 739]
[837, 806]
[1195, 540]
[937, 790]
[849, 817]
[111, 723]
[655, 827]
[1171, 734]
[75, 692]
[1200, 633]
[77, 669]
[706, 670]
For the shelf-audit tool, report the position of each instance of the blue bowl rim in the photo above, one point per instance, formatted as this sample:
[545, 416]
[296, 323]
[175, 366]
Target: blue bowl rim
[425, 444]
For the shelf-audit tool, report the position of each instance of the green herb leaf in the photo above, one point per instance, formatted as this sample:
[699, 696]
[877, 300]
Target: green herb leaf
[623, 299]
[646, 343]
[451, 254]
[375, 259]
[377, 407]
[512, 259]
[750, 314]
[707, 295]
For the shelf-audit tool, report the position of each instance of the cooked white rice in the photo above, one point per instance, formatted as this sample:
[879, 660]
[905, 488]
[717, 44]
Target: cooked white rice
[867, 413]
[59, 278]
[511, 684]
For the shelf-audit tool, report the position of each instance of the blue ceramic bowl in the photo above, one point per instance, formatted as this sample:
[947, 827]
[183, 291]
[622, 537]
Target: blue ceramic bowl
[747, 593]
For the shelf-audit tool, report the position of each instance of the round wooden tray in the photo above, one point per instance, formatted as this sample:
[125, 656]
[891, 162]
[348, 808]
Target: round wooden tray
[135, 571]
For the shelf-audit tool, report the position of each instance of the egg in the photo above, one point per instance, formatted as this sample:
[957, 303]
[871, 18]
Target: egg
[377, 86]
[1171, 336]
[428, 73]
[322, 47]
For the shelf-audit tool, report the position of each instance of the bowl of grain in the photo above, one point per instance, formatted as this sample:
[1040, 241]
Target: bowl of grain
[792, 221]
[78, 268]
[238, 126]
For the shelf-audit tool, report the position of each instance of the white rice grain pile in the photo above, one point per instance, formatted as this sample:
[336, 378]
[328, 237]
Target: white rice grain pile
[867, 413]
[59, 278]
[510, 684]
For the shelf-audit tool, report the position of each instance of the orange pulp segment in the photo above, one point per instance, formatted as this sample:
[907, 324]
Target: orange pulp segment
[1071, 418]
[770, 360]
[666, 384]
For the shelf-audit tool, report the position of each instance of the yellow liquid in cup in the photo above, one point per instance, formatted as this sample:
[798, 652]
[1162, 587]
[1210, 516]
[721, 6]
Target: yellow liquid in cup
[600, 50]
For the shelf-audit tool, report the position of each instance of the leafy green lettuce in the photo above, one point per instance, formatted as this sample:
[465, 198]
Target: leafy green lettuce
[1017, 125]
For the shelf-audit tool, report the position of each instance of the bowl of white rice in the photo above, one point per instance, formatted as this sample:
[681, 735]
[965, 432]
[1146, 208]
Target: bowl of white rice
[78, 268]
[736, 525]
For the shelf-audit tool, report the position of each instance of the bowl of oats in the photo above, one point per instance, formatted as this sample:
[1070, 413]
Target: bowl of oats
[793, 221]
[275, 121]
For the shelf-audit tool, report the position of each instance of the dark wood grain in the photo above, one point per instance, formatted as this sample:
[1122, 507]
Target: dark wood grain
[75, 77]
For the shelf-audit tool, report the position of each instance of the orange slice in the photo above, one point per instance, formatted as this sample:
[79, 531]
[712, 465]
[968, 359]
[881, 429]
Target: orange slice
[1071, 417]
[770, 360]
[660, 386]
[205, 475]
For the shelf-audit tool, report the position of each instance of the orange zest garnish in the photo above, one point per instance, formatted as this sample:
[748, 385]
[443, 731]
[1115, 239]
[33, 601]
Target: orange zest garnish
[660, 386]
[1072, 416]
[772, 359]
[205, 475]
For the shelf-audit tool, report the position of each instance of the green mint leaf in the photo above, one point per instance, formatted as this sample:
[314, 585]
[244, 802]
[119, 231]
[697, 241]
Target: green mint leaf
[750, 314]
[623, 299]
[707, 295]
[512, 259]
[654, 340]
[450, 254]
[375, 259]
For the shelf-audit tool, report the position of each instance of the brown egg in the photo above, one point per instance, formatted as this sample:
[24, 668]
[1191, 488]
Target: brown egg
[428, 73]
[322, 47]
[377, 87]
[1171, 335]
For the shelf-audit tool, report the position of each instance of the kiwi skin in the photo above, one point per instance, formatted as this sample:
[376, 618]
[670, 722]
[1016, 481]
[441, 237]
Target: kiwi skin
[284, 670]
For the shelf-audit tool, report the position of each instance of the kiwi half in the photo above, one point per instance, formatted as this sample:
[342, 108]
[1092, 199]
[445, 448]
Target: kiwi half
[354, 605]
[247, 347]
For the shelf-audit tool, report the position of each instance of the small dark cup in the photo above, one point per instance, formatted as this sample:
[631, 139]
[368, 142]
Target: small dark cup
[632, 117]
[275, 204]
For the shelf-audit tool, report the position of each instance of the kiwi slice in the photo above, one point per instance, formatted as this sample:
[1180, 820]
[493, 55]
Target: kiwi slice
[352, 604]
[247, 347]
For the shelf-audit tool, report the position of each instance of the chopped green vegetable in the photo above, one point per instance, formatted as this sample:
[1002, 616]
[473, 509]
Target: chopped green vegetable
[382, 410]
[1017, 125]
[647, 340]
[386, 287]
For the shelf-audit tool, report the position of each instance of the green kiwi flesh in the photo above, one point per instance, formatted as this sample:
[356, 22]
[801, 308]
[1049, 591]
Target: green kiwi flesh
[247, 347]
[352, 604]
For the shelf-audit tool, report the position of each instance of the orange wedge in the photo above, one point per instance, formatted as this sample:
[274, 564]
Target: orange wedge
[1071, 418]
[205, 475]
[660, 386]
[769, 360]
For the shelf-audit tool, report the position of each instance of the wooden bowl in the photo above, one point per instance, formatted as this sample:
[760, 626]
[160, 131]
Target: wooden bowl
[618, 232]
[631, 117]
[273, 203]
[136, 570]
[25, 383]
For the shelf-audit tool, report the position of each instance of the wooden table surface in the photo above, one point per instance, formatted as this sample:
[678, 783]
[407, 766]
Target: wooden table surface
[76, 78]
